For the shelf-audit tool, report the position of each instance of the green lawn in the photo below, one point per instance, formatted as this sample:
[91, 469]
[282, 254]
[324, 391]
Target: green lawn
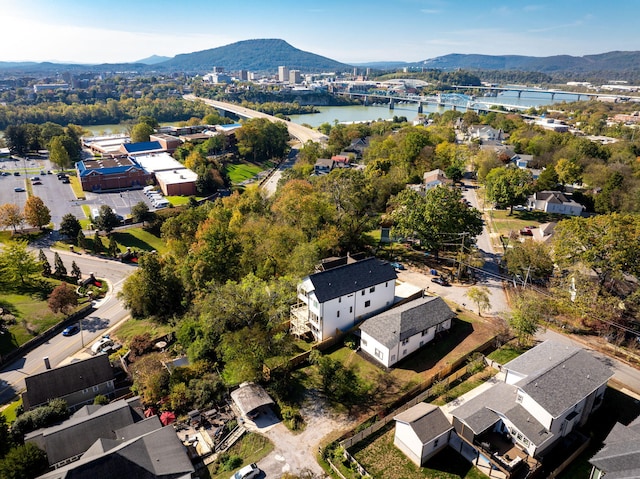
[239, 172]
[381, 458]
[139, 239]
[32, 315]
[138, 327]
[10, 412]
[505, 354]
[503, 223]
[251, 448]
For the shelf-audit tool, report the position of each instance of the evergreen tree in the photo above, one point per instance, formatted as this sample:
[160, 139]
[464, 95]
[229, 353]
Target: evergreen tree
[70, 226]
[75, 271]
[60, 271]
[81, 240]
[97, 243]
[46, 267]
[112, 248]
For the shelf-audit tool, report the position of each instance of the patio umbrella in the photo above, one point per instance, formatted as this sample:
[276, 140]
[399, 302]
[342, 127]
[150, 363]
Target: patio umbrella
[167, 418]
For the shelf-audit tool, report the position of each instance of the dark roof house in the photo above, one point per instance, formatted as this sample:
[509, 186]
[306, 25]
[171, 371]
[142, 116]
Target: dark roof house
[404, 329]
[153, 452]
[620, 456]
[77, 383]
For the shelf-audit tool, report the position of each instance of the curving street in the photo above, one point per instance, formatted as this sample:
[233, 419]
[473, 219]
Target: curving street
[109, 312]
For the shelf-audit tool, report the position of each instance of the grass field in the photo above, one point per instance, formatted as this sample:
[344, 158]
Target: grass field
[10, 412]
[31, 312]
[76, 187]
[251, 448]
[505, 354]
[239, 172]
[138, 327]
[381, 458]
[140, 240]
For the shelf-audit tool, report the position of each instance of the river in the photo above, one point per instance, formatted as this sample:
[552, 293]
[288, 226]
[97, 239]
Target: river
[361, 113]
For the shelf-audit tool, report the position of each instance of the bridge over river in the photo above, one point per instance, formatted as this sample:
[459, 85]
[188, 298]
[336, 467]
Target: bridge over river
[301, 133]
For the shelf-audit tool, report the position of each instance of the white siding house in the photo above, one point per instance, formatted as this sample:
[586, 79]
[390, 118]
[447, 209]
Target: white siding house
[421, 432]
[392, 335]
[554, 202]
[339, 298]
[546, 393]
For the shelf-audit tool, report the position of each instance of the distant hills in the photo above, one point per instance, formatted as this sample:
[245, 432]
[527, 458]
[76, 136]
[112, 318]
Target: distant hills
[265, 55]
[253, 55]
[611, 61]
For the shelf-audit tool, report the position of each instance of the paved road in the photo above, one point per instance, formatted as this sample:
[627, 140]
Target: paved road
[109, 312]
[271, 185]
[302, 133]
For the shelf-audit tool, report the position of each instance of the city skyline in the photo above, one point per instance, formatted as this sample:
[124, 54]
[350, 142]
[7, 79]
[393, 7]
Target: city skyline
[113, 31]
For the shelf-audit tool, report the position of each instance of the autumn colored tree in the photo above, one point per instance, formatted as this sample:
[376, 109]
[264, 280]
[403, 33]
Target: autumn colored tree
[62, 299]
[480, 296]
[36, 213]
[11, 216]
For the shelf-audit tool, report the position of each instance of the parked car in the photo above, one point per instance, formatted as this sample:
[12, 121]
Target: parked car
[101, 345]
[18, 189]
[70, 330]
[398, 266]
[42, 172]
[16, 173]
[66, 181]
[247, 472]
[440, 280]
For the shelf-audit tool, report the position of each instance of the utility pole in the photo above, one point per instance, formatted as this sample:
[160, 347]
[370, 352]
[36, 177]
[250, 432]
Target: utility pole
[462, 236]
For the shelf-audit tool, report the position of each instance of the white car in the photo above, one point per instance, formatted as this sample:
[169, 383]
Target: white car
[100, 345]
[247, 472]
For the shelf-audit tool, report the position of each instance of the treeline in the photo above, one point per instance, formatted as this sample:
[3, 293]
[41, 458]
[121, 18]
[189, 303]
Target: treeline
[438, 77]
[103, 113]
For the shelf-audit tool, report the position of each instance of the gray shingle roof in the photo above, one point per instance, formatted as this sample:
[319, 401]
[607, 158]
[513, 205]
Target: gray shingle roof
[75, 435]
[478, 412]
[350, 278]
[426, 420]
[250, 396]
[67, 379]
[402, 322]
[157, 454]
[558, 375]
[620, 456]
[528, 425]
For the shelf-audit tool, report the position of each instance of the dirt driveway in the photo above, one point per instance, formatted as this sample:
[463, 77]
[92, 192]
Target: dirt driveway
[296, 453]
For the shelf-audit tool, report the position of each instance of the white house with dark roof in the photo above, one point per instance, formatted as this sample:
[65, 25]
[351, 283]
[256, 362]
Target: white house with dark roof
[339, 298]
[620, 456]
[421, 432]
[392, 335]
[546, 393]
[554, 202]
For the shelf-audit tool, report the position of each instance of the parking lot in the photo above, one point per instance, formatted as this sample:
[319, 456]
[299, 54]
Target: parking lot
[57, 195]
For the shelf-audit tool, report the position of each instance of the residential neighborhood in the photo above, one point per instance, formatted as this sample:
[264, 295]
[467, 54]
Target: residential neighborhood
[254, 261]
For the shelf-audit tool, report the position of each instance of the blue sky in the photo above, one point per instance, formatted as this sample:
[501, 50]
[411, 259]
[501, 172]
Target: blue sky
[95, 31]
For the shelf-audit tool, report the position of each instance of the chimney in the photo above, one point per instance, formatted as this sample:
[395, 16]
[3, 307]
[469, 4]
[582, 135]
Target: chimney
[47, 364]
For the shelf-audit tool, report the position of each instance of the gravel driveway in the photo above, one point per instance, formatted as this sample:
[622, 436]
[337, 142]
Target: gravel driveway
[296, 453]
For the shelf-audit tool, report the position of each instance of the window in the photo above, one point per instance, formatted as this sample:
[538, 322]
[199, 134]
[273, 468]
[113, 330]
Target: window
[364, 342]
[340, 299]
[404, 352]
[423, 332]
[96, 389]
[519, 398]
[362, 292]
[338, 314]
[372, 289]
[405, 342]
[435, 443]
[351, 309]
[367, 304]
[85, 391]
[379, 354]
[393, 358]
[421, 343]
[386, 285]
